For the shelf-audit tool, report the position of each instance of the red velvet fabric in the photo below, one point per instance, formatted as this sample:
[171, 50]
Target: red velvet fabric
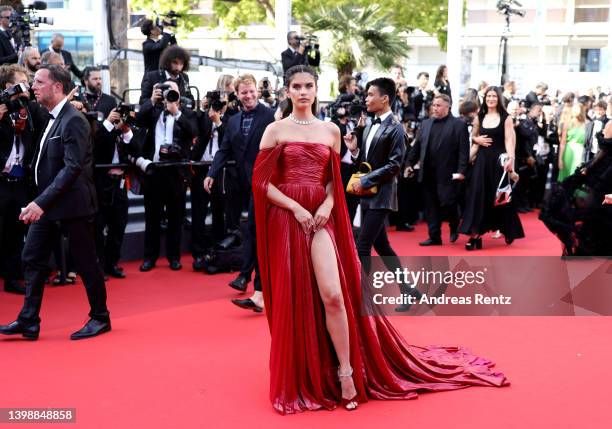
[303, 363]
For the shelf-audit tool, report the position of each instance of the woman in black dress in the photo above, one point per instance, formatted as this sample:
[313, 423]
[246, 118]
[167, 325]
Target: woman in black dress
[493, 131]
[441, 82]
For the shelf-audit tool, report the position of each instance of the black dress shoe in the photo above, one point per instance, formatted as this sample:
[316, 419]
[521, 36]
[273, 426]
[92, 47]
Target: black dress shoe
[405, 227]
[147, 265]
[239, 283]
[198, 263]
[175, 265]
[91, 329]
[13, 286]
[454, 236]
[29, 332]
[115, 271]
[431, 242]
[248, 304]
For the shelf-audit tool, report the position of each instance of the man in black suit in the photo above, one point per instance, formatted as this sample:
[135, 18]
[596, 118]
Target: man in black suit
[170, 133]
[442, 152]
[241, 142]
[211, 129]
[66, 203]
[173, 66]
[294, 55]
[153, 46]
[592, 128]
[19, 131]
[57, 45]
[8, 54]
[381, 144]
[538, 96]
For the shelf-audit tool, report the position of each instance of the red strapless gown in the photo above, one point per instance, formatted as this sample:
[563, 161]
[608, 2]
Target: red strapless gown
[303, 363]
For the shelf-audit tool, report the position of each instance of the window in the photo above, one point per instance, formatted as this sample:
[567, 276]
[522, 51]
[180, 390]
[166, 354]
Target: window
[591, 11]
[55, 4]
[589, 60]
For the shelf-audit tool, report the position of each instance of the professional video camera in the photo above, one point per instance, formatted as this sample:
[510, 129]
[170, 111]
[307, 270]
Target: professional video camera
[350, 105]
[25, 17]
[213, 101]
[311, 49]
[128, 112]
[167, 19]
[505, 7]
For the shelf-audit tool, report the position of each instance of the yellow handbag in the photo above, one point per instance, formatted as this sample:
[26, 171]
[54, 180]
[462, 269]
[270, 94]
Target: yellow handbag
[357, 177]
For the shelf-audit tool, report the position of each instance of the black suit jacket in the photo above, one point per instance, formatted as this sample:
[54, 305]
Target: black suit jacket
[29, 137]
[151, 50]
[159, 76]
[289, 59]
[385, 156]
[205, 128]
[105, 104]
[451, 156]
[65, 179]
[589, 135]
[7, 52]
[234, 146]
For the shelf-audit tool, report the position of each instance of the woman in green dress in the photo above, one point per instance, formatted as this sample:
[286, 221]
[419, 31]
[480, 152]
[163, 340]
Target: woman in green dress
[572, 142]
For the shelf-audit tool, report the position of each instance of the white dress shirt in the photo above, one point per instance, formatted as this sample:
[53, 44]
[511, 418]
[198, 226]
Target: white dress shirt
[164, 133]
[56, 110]
[213, 145]
[15, 157]
[373, 131]
[127, 137]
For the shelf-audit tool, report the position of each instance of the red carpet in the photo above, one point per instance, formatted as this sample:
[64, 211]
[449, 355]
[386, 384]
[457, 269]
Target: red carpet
[181, 356]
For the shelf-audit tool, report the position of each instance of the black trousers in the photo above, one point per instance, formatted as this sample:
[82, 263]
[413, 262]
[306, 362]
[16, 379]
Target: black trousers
[435, 212]
[112, 216]
[41, 238]
[13, 196]
[165, 187]
[200, 241]
[249, 246]
[373, 232]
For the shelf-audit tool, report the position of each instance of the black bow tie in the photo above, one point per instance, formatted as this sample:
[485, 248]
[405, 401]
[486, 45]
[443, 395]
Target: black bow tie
[51, 117]
[376, 121]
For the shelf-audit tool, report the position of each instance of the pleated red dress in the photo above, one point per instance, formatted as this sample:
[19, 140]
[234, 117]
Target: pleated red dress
[303, 362]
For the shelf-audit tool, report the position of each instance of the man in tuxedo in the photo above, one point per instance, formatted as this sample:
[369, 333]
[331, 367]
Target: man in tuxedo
[295, 54]
[211, 128]
[57, 46]
[592, 128]
[173, 66]
[442, 152]
[20, 129]
[241, 142]
[170, 134]
[8, 54]
[66, 203]
[153, 46]
[380, 144]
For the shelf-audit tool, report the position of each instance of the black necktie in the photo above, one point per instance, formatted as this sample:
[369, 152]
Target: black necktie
[376, 121]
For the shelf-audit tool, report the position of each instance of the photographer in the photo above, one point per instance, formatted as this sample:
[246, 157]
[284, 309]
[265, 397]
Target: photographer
[173, 67]
[153, 46]
[8, 54]
[210, 133]
[422, 97]
[265, 93]
[57, 45]
[30, 59]
[294, 55]
[21, 125]
[169, 137]
[538, 96]
[527, 133]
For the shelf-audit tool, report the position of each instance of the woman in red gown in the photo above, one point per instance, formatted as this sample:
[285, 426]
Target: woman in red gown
[324, 352]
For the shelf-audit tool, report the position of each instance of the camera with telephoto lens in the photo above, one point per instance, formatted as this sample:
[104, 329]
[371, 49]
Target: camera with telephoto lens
[213, 100]
[170, 152]
[24, 18]
[128, 112]
[168, 19]
[9, 93]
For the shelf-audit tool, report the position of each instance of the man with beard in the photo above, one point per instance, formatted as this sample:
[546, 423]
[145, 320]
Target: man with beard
[30, 59]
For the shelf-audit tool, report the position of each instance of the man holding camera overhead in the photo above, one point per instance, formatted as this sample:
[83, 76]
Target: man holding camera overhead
[157, 40]
[170, 133]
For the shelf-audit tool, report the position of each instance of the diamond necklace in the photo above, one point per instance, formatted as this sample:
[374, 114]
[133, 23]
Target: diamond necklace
[301, 121]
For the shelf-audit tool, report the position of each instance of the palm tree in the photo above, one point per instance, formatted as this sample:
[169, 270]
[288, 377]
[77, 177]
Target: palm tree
[360, 35]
